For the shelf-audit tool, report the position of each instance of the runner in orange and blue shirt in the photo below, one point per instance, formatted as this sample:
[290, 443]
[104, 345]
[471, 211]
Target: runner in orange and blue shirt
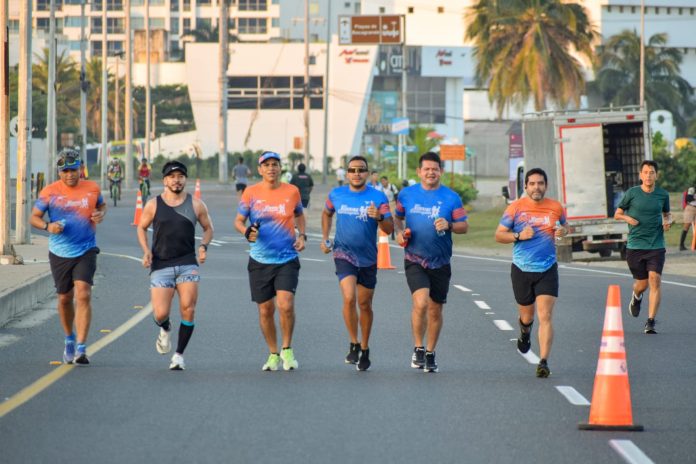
[75, 207]
[274, 209]
[532, 223]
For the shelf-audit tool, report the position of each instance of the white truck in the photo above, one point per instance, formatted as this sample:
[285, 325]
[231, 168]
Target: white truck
[591, 158]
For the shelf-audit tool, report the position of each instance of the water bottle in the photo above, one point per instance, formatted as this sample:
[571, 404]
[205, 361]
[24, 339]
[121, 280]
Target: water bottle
[440, 233]
[557, 226]
[328, 244]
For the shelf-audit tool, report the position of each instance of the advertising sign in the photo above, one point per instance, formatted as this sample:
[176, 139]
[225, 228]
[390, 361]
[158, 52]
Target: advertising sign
[399, 126]
[381, 109]
[452, 152]
[448, 62]
[370, 29]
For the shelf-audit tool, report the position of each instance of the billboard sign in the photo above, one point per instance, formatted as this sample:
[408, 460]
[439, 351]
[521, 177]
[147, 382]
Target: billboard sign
[452, 152]
[448, 62]
[371, 29]
[399, 126]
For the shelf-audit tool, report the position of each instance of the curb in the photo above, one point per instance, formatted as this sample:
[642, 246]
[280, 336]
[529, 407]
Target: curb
[20, 299]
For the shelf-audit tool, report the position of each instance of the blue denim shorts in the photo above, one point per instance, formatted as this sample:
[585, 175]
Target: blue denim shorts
[169, 277]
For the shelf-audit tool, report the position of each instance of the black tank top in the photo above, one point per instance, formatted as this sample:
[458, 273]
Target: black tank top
[173, 240]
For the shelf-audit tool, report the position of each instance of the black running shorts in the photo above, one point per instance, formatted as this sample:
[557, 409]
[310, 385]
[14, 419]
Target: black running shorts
[528, 285]
[437, 280]
[266, 279]
[367, 276]
[642, 262]
[66, 271]
[240, 187]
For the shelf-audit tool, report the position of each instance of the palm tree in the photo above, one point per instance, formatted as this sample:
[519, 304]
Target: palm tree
[526, 49]
[617, 80]
[93, 72]
[206, 34]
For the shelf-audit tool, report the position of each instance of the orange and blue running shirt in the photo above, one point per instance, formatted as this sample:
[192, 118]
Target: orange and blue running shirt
[74, 207]
[355, 239]
[537, 254]
[421, 208]
[275, 211]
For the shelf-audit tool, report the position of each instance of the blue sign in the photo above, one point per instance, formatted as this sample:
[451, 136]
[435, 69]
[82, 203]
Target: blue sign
[411, 149]
[400, 126]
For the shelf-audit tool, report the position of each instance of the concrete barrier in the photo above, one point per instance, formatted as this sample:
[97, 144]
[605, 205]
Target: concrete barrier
[16, 300]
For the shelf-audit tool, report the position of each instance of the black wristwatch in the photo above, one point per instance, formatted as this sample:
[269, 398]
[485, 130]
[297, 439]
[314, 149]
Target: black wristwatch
[205, 247]
[46, 225]
[381, 218]
[516, 236]
[304, 236]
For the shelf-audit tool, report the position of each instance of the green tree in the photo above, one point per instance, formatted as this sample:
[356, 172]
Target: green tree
[206, 34]
[525, 50]
[618, 75]
[677, 172]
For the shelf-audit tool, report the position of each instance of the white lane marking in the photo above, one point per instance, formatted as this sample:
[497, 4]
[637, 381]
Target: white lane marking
[502, 324]
[140, 260]
[475, 294]
[312, 259]
[212, 242]
[8, 339]
[482, 304]
[630, 452]
[572, 395]
[462, 288]
[530, 356]
[490, 312]
[221, 242]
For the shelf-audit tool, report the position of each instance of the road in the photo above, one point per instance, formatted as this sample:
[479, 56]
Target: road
[484, 406]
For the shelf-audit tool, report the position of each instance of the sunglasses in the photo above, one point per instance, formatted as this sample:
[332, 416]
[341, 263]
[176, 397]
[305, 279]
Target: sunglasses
[357, 170]
[68, 160]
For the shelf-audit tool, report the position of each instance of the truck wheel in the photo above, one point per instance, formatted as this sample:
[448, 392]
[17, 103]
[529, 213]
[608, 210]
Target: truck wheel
[605, 253]
[564, 253]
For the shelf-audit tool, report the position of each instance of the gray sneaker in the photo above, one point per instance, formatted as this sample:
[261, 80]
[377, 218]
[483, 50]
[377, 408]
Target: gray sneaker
[164, 342]
[650, 326]
[634, 305]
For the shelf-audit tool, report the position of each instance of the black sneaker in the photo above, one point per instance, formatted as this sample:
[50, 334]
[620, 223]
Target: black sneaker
[418, 358]
[353, 353]
[650, 326]
[430, 364]
[364, 363]
[634, 305]
[81, 358]
[543, 370]
[524, 342]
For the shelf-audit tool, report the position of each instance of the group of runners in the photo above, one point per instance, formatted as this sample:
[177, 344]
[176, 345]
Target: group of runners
[270, 216]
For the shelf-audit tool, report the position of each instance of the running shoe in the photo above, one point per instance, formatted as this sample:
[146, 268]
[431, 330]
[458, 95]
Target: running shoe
[272, 363]
[177, 363]
[364, 363]
[634, 305]
[81, 356]
[430, 364]
[288, 357]
[542, 370]
[69, 352]
[164, 342]
[353, 353]
[524, 342]
[650, 326]
[418, 357]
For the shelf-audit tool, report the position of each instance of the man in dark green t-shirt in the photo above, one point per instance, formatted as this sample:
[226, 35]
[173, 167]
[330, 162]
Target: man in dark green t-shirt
[646, 210]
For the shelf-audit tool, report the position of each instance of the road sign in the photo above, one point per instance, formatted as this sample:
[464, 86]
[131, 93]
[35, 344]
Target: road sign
[452, 152]
[371, 29]
[411, 149]
[399, 126]
[389, 148]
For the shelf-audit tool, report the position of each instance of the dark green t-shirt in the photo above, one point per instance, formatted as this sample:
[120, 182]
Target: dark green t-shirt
[647, 209]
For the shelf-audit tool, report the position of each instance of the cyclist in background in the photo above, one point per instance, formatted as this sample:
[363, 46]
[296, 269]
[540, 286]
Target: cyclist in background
[144, 176]
[114, 173]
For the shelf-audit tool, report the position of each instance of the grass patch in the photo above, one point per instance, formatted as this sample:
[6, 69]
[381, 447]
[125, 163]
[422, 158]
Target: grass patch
[482, 225]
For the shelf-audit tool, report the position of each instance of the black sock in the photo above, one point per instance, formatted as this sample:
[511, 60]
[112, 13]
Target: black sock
[165, 324]
[682, 238]
[185, 331]
[526, 328]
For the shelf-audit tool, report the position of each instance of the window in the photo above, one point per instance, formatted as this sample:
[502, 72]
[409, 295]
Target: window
[252, 25]
[74, 21]
[232, 23]
[111, 5]
[204, 2]
[346, 5]
[114, 46]
[252, 5]
[174, 5]
[410, 9]
[42, 24]
[275, 22]
[114, 25]
[440, 9]
[156, 23]
[273, 92]
[174, 26]
[426, 99]
[74, 45]
[138, 24]
[186, 27]
[205, 23]
[187, 5]
[96, 27]
[14, 25]
[382, 10]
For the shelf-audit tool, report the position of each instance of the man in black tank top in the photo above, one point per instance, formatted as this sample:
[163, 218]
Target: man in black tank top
[172, 259]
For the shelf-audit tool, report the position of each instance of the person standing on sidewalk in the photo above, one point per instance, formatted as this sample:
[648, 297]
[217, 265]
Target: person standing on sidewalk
[432, 212]
[360, 210]
[274, 210]
[172, 259]
[646, 210]
[74, 208]
[531, 225]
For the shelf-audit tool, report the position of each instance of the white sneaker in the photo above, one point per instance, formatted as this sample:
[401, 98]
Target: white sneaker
[177, 363]
[163, 343]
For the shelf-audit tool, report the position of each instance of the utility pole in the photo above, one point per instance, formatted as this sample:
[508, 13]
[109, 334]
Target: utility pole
[148, 120]
[24, 133]
[641, 91]
[325, 163]
[104, 99]
[51, 103]
[84, 84]
[223, 26]
[117, 124]
[5, 247]
[402, 157]
[306, 82]
[128, 117]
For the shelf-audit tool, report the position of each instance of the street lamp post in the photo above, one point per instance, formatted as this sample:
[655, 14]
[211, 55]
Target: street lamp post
[104, 99]
[5, 247]
[22, 230]
[128, 119]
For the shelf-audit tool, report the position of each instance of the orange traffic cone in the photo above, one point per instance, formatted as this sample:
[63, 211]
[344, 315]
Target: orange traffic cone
[383, 255]
[693, 236]
[611, 396]
[138, 209]
[197, 191]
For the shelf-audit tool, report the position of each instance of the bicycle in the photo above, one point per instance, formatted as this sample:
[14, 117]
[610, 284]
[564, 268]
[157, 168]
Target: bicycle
[116, 191]
[145, 188]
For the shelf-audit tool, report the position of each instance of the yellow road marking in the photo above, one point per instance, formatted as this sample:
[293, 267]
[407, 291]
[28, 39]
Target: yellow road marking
[49, 379]
[105, 331]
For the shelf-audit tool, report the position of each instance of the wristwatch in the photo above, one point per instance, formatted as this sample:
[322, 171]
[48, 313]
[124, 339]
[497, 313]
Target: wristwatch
[380, 218]
[204, 246]
[46, 225]
[516, 236]
[304, 236]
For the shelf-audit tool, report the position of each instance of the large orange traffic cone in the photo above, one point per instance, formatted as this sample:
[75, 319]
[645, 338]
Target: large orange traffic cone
[138, 209]
[197, 191]
[611, 397]
[693, 236]
[383, 255]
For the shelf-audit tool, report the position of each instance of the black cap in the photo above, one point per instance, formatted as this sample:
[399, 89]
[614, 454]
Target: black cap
[172, 166]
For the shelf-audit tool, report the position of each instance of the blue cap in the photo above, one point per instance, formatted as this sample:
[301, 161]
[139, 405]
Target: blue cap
[266, 155]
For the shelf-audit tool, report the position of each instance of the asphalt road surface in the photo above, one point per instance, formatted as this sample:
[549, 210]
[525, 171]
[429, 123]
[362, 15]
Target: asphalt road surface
[485, 405]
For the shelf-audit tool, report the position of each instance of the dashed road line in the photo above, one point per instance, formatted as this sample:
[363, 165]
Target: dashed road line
[630, 452]
[313, 259]
[572, 395]
[462, 288]
[530, 356]
[502, 324]
[481, 304]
